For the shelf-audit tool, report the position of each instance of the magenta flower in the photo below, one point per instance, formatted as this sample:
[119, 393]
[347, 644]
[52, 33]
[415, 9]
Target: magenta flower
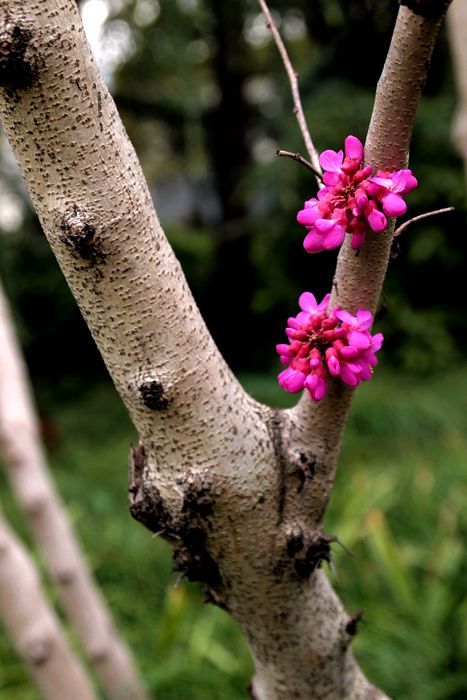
[393, 186]
[323, 344]
[352, 202]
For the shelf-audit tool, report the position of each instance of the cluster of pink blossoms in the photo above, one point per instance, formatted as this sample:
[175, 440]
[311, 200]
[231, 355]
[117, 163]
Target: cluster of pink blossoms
[352, 199]
[323, 344]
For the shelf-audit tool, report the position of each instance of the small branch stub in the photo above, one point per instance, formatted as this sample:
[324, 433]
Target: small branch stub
[78, 232]
[153, 395]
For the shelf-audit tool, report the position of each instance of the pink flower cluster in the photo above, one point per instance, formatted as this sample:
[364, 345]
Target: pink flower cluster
[352, 200]
[323, 344]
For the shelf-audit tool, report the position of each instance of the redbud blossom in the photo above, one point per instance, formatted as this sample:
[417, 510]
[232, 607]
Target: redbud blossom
[323, 344]
[352, 202]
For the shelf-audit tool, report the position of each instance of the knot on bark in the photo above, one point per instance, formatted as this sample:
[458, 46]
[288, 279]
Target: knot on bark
[18, 71]
[317, 550]
[305, 470]
[153, 395]
[430, 9]
[37, 650]
[146, 505]
[78, 232]
[187, 530]
[191, 556]
[304, 553]
[198, 499]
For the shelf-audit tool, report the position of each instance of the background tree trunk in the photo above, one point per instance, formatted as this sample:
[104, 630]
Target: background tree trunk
[34, 628]
[239, 489]
[31, 482]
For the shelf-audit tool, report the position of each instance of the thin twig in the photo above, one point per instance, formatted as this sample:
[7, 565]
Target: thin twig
[293, 80]
[403, 226]
[300, 159]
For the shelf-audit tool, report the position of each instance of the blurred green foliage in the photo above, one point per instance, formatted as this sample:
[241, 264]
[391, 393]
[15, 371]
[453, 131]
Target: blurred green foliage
[399, 504]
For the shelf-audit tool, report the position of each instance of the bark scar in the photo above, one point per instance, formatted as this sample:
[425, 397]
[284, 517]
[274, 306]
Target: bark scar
[17, 73]
[275, 426]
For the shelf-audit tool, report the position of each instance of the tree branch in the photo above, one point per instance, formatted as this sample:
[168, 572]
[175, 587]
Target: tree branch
[300, 159]
[400, 229]
[359, 278]
[293, 80]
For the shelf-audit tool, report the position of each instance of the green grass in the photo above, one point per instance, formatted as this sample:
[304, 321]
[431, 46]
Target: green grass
[400, 505]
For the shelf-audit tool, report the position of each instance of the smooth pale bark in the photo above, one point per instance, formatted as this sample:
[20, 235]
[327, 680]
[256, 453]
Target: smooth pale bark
[239, 489]
[34, 628]
[25, 462]
[457, 25]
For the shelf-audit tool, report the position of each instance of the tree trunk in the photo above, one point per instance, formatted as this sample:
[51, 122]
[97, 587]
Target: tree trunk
[457, 25]
[26, 466]
[34, 628]
[239, 489]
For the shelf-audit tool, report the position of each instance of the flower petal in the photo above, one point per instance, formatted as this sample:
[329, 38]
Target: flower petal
[313, 242]
[334, 238]
[323, 305]
[331, 178]
[393, 205]
[307, 217]
[324, 225]
[316, 386]
[385, 182]
[377, 221]
[348, 377]
[291, 380]
[307, 302]
[283, 349]
[403, 181]
[331, 161]
[360, 340]
[353, 148]
[345, 317]
[365, 319]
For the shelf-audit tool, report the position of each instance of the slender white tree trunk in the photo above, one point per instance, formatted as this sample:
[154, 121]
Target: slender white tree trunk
[239, 489]
[31, 482]
[33, 626]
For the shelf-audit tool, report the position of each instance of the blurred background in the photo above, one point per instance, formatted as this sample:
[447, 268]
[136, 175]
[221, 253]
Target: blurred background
[205, 100]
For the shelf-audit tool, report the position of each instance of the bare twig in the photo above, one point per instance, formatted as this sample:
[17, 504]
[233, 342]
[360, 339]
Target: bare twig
[403, 226]
[300, 159]
[293, 80]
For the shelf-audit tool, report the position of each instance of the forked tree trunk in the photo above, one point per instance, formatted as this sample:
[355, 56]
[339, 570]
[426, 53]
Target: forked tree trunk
[239, 489]
[33, 626]
[25, 463]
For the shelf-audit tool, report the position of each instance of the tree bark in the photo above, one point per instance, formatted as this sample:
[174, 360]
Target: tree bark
[457, 25]
[34, 628]
[27, 470]
[239, 489]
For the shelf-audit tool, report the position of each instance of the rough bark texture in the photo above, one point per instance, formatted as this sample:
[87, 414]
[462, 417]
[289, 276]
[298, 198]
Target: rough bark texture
[34, 628]
[27, 470]
[457, 24]
[238, 489]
